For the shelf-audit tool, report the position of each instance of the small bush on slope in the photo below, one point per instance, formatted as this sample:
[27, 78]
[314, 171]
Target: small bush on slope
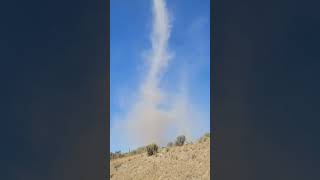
[180, 140]
[152, 149]
[116, 154]
[205, 137]
[141, 149]
[170, 144]
[133, 152]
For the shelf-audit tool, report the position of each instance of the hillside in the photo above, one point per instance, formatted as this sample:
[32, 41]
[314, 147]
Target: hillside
[190, 161]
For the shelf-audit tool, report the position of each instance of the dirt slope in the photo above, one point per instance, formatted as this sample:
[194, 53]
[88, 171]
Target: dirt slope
[190, 161]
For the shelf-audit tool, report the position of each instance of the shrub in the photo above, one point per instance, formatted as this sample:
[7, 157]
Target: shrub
[170, 144]
[207, 135]
[133, 152]
[116, 166]
[152, 149]
[118, 152]
[140, 149]
[180, 140]
[112, 155]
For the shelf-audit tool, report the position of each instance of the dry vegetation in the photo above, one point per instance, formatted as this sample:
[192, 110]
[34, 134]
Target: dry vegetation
[188, 161]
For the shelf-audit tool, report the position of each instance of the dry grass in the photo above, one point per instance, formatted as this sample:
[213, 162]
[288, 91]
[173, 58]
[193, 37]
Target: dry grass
[190, 161]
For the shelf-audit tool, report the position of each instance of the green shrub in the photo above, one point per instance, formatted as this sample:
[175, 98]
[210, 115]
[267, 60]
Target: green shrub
[133, 152]
[141, 149]
[170, 144]
[152, 149]
[116, 154]
[113, 155]
[180, 140]
[205, 137]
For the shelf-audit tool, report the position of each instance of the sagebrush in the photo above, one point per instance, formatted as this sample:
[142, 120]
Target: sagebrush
[180, 140]
[152, 149]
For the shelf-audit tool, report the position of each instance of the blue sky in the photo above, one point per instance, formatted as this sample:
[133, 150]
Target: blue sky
[130, 28]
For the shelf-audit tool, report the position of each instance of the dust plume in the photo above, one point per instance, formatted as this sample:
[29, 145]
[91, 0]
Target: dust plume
[156, 111]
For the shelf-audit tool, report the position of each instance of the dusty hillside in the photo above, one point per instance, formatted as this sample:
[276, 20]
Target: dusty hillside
[190, 161]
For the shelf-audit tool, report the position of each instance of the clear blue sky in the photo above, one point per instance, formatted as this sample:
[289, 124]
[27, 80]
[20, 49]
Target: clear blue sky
[130, 28]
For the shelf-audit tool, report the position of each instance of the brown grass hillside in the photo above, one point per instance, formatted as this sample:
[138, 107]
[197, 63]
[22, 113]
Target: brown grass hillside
[190, 161]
